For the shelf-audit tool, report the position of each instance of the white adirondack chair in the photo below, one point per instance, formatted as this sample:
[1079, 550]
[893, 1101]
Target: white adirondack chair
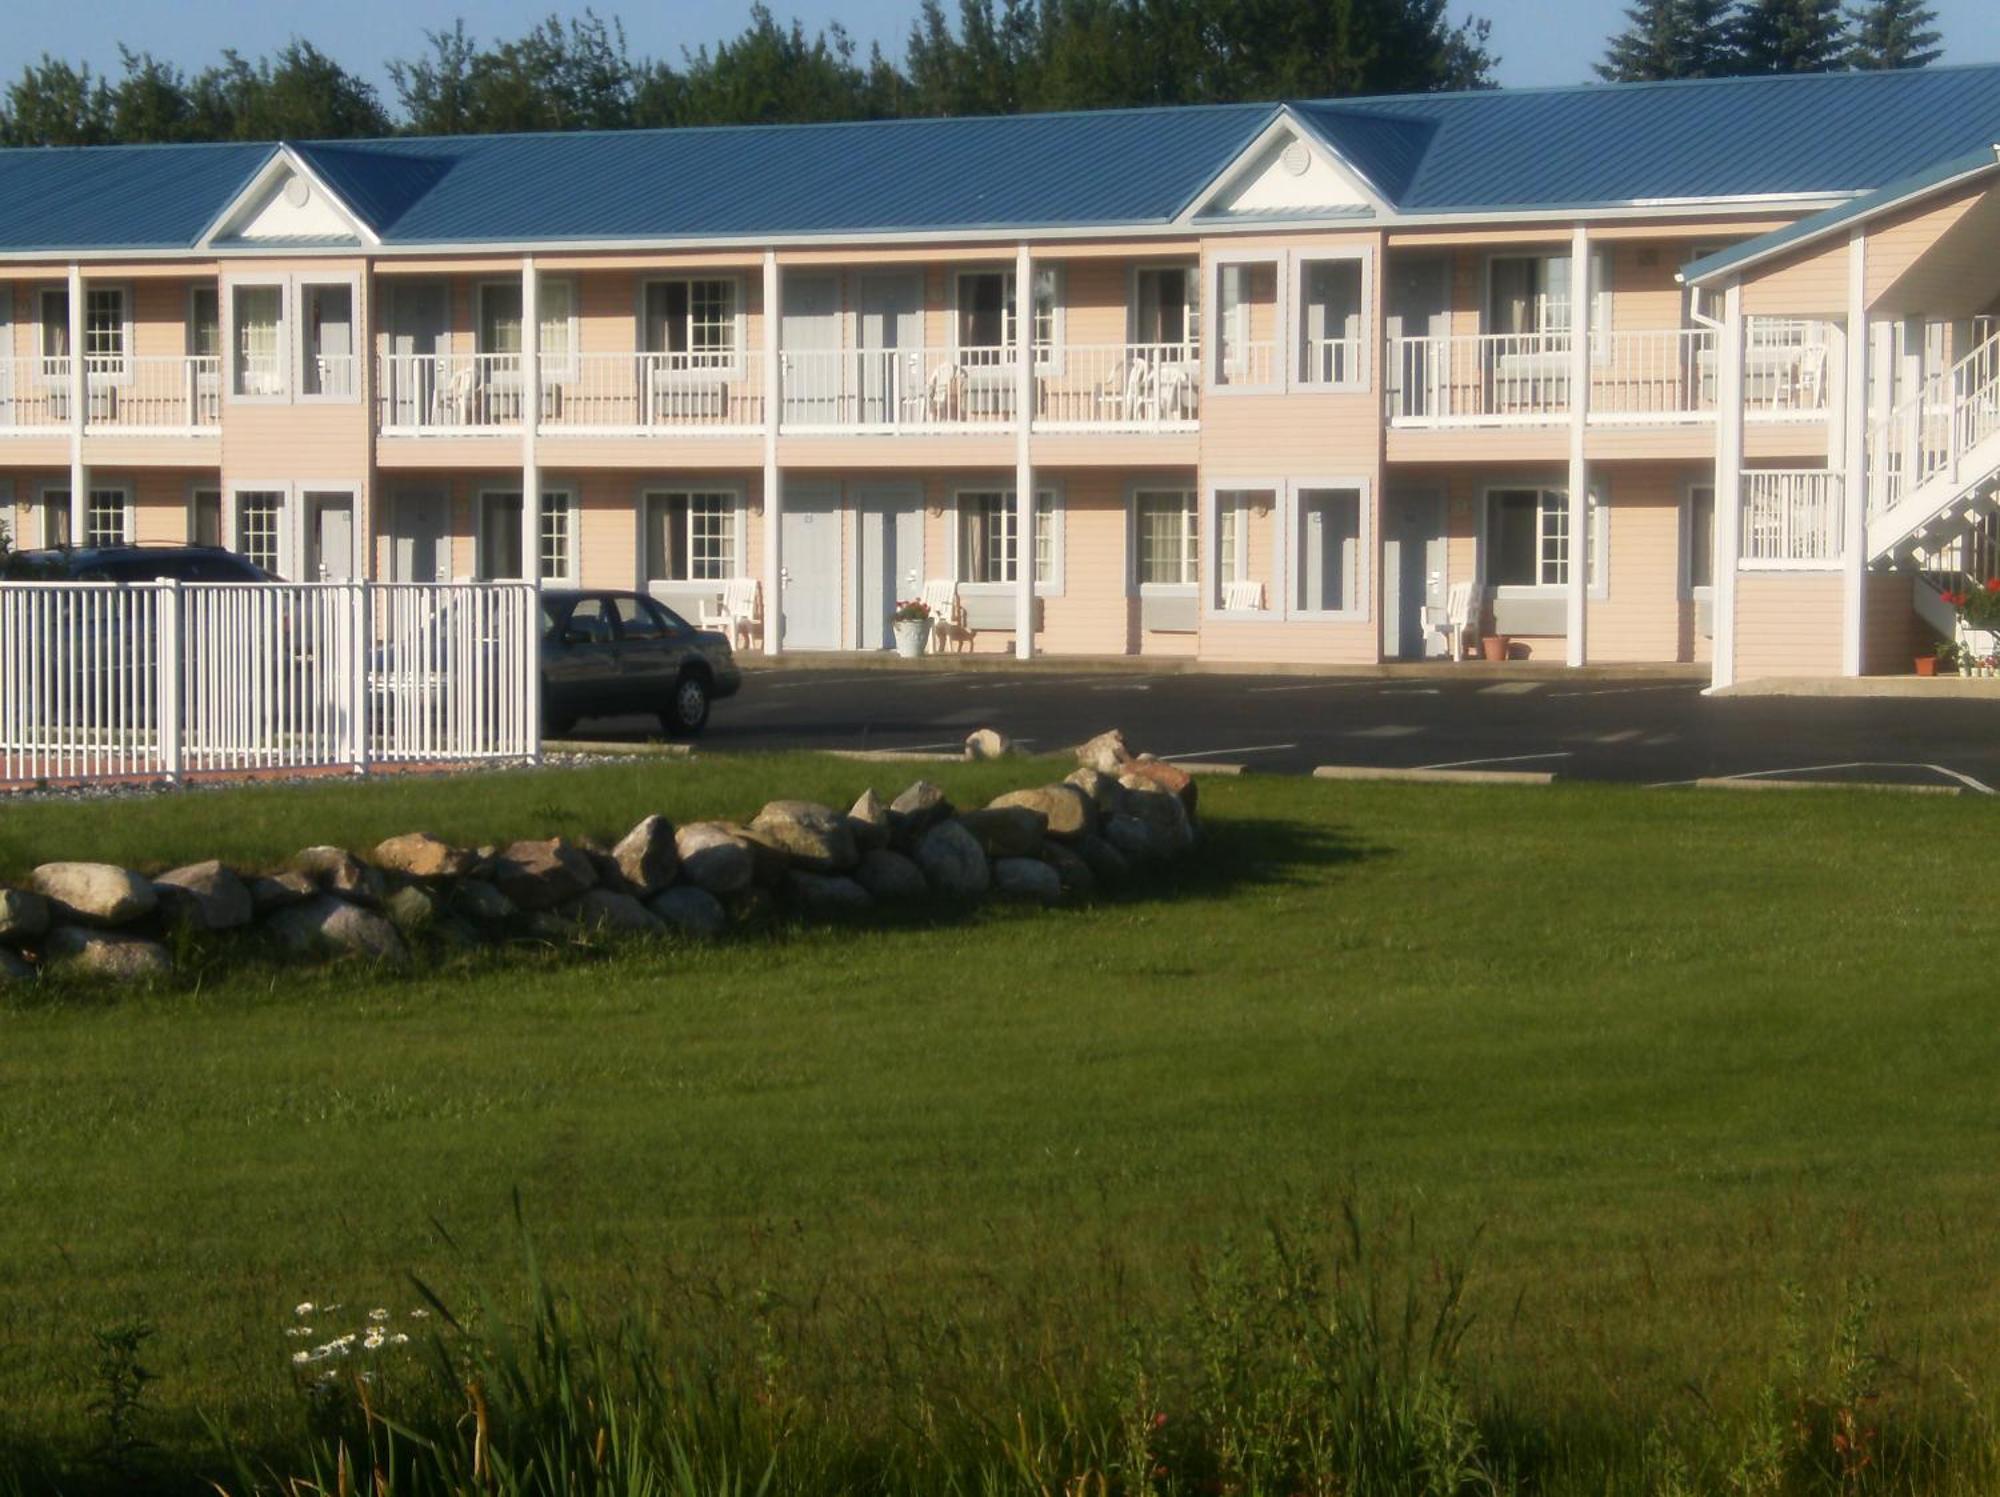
[948, 624]
[1458, 621]
[738, 612]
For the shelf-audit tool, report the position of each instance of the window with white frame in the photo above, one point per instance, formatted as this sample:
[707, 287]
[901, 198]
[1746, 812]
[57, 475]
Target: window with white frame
[1330, 293]
[499, 320]
[106, 519]
[327, 339]
[1531, 294]
[986, 310]
[1241, 563]
[260, 527]
[500, 535]
[257, 313]
[106, 329]
[987, 530]
[1330, 566]
[1166, 306]
[1528, 539]
[692, 318]
[204, 324]
[204, 521]
[1700, 567]
[1246, 323]
[690, 536]
[498, 330]
[52, 316]
[1165, 538]
[55, 517]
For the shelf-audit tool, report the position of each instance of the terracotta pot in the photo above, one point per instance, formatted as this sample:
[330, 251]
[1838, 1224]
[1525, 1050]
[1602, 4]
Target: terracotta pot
[1495, 646]
[1926, 665]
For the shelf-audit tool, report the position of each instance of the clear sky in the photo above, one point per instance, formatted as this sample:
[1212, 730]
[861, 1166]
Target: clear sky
[1539, 41]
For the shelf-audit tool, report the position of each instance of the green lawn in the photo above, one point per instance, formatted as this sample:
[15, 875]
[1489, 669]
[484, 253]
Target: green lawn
[1662, 1054]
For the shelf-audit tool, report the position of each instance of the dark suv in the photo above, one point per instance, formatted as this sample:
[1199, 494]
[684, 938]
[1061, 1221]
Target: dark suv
[131, 564]
[605, 654]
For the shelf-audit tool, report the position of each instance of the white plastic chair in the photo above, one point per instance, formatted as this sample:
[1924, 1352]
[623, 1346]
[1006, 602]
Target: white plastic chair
[1245, 595]
[1459, 620]
[948, 624]
[738, 612]
[944, 392]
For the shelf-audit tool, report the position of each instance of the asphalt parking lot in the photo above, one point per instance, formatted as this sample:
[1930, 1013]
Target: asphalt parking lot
[1640, 728]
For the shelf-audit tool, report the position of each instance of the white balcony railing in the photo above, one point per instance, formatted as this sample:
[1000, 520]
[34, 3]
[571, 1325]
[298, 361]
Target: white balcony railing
[163, 394]
[1121, 387]
[1952, 412]
[1791, 518]
[642, 393]
[1484, 379]
[1664, 375]
[896, 389]
[1249, 364]
[421, 394]
[1331, 361]
[34, 396]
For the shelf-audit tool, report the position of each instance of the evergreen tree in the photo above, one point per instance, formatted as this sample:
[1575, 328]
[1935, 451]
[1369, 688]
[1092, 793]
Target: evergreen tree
[54, 104]
[1790, 36]
[1671, 39]
[1894, 34]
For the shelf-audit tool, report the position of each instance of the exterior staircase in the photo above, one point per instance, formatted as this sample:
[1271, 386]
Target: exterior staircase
[1934, 463]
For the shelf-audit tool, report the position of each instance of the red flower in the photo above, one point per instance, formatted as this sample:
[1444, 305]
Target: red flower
[1993, 584]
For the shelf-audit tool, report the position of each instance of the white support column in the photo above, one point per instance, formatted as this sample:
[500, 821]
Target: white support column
[79, 394]
[531, 414]
[1728, 481]
[1024, 468]
[1854, 456]
[1578, 592]
[774, 491]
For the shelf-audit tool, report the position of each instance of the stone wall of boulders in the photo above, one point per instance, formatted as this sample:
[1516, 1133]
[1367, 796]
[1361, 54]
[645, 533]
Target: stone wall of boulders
[415, 895]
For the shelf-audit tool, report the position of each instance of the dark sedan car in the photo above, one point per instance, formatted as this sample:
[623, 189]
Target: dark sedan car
[131, 564]
[611, 654]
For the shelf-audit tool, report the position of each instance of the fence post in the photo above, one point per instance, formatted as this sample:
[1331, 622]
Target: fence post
[358, 675]
[170, 679]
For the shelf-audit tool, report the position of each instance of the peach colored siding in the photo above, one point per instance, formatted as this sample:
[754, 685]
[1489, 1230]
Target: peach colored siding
[1787, 624]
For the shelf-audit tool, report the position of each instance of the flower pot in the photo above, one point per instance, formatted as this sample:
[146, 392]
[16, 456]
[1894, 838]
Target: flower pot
[1495, 646]
[1926, 665]
[911, 637]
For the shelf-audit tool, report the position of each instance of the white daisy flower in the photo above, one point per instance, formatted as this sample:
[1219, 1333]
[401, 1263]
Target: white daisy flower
[303, 1309]
[301, 1357]
[378, 1314]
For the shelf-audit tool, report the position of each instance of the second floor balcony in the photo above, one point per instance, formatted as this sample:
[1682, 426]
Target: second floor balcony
[163, 394]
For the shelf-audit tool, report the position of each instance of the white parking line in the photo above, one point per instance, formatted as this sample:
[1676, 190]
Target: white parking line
[1624, 691]
[1261, 748]
[1502, 759]
[1978, 786]
[1310, 686]
[1387, 730]
[1510, 688]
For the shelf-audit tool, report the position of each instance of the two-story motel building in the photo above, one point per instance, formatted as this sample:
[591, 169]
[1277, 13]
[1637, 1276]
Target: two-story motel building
[1675, 372]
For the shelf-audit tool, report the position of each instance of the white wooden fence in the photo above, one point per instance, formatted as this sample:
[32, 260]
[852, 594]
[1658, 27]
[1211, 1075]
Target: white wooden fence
[102, 681]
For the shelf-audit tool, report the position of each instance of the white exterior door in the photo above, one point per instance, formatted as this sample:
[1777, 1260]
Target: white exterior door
[809, 337]
[809, 538]
[891, 336]
[419, 551]
[329, 537]
[890, 526]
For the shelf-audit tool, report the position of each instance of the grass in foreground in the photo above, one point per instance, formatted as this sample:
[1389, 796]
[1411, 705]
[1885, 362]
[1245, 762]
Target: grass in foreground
[1697, 1088]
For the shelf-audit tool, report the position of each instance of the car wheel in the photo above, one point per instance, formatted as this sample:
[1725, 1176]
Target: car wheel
[687, 710]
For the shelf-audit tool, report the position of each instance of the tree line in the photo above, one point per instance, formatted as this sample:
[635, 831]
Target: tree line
[993, 57]
[1741, 38]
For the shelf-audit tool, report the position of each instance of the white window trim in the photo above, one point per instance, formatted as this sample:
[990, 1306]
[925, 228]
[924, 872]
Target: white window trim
[1212, 340]
[739, 515]
[1688, 590]
[1597, 589]
[47, 289]
[296, 310]
[288, 525]
[1295, 324]
[572, 512]
[1361, 608]
[47, 487]
[125, 511]
[188, 319]
[197, 487]
[231, 346]
[1047, 360]
[307, 489]
[1053, 588]
[1133, 490]
[1192, 268]
[740, 318]
[1601, 292]
[564, 366]
[1211, 505]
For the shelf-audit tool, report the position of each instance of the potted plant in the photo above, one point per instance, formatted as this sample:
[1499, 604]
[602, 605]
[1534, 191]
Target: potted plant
[1496, 647]
[911, 625]
[1978, 626]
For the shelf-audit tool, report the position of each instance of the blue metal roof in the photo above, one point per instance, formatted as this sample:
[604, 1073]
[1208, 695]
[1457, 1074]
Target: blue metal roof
[1831, 219]
[119, 197]
[1530, 150]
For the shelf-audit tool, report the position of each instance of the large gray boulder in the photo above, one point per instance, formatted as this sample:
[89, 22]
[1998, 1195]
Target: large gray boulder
[23, 915]
[328, 926]
[114, 955]
[714, 857]
[206, 896]
[1073, 870]
[1135, 839]
[13, 968]
[1006, 831]
[1109, 864]
[413, 909]
[953, 861]
[1026, 878]
[813, 837]
[420, 855]
[1102, 788]
[889, 875]
[1162, 811]
[1066, 809]
[918, 809]
[94, 893]
[539, 875]
[868, 820]
[988, 743]
[272, 891]
[477, 900]
[1105, 753]
[646, 856]
[611, 913]
[338, 871]
[691, 910]
[826, 894]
